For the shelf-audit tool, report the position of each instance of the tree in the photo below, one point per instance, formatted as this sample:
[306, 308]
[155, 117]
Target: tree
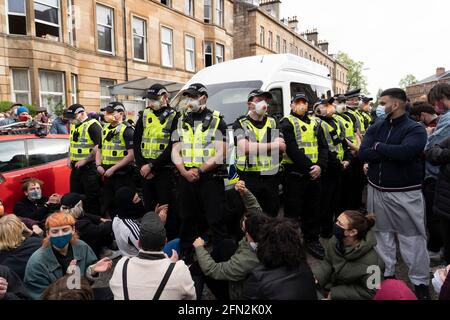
[407, 81]
[355, 77]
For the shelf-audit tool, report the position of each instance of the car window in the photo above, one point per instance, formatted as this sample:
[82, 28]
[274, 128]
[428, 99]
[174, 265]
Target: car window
[41, 151]
[12, 155]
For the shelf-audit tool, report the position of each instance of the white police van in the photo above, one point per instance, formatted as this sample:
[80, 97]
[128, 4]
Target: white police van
[283, 75]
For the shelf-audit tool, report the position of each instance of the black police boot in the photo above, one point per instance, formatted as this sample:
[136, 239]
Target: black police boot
[315, 249]
[422, 292]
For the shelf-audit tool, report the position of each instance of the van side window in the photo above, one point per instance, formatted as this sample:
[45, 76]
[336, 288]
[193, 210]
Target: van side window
[276, 106]
[41, 151]
[12, 156]
[313, 92]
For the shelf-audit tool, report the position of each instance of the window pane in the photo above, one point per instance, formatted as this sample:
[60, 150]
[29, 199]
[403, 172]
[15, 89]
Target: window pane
[44, 29]
[189, 7]
[207, 10]
[12, 156]
[17, 6]
[166, 55]
[104, 38]
[104, 15]
[138, 26]
[46, 150]
[22, 98]
[50, 101]
[20, 80]
[208, 47]
[17, 25]
[139, 52]
[51, 81]
[166, 35]
[53, 3]
[104, 84]
[190, 43]
[46, 13]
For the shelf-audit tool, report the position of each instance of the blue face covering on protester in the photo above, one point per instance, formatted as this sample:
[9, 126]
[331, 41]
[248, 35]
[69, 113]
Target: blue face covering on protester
[381, 111]
[35, 195]
[61, 241]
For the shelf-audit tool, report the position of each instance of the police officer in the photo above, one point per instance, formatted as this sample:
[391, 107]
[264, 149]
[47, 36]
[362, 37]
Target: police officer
[339, 158]
[85, 139]
[114, 159]
[259, 144]
[199, 152]
[304, 162]
[365, 114]
[153, 149]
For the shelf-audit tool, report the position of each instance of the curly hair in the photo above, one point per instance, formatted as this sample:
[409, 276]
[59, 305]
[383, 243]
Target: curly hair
[439, 92]
[280, 244]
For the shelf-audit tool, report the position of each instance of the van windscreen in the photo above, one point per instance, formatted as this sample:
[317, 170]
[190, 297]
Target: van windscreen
[230, 99]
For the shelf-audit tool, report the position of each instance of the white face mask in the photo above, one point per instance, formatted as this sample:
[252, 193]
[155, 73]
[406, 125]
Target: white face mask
[437, 282]
[155, 104]
[194, 105]
[261, 108]
[341, 108]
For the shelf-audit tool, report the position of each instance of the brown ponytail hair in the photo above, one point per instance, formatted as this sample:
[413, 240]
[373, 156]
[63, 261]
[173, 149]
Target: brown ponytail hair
[360, 222]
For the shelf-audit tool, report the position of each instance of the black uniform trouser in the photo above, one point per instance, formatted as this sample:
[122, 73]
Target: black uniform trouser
[86, 181]
[200, 201]
[359, 181]
[331, 188]
[266, 189]
[435, 241]
[122, 178]
[445, 228]
[162, 190]
[302, 198]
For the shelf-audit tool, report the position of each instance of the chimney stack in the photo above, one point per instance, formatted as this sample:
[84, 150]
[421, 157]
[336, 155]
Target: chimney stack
[323, 45]
[293, 23]
[440, 71]
[271, 7]
[312, 36]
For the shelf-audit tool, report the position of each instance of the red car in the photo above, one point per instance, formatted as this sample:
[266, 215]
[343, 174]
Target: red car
[26, 156]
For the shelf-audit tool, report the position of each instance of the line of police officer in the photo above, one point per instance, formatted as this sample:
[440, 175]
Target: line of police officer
[315, 152]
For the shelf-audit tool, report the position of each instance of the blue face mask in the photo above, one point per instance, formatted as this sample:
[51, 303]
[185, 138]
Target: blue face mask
[381, 111]
[61, 241]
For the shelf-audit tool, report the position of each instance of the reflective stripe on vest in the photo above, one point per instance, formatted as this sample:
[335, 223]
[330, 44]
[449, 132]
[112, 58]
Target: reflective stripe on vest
[80, 149]
[115, 150]
[362, 121]
[257, 163]
[333, 138]
[156, 135]
[306, 137]
[349, 128]
[197, 147]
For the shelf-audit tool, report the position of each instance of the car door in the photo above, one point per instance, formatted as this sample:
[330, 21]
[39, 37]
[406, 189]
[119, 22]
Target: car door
[14, 167]
[48, 158]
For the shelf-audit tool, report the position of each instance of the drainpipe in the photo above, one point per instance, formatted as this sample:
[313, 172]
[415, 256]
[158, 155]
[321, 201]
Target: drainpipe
[125, 42]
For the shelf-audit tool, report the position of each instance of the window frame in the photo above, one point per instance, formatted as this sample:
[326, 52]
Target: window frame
[270, 40]
[59, 25]
[144, 37]
[211, 43]
[113, 51]
[8, 13]
[219, 45]
[186, 50]
[106, 97]
[278, 44]
[262, 36]
[219, 17]
[70, 22]
[189, 4]
[171, 47]
[208, 20]
[74, 87]
[13, 91]
[62, 94]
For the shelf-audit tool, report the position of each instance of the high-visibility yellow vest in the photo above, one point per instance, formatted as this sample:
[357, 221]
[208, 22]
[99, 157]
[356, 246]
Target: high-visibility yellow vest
[257, 162]
[198, 145]
[367, 118]
[114, 150]
[156, 136]
[349, 127]
[362, 121]
[306, 137]
[357, 124]
[81, 147]
[333, 137]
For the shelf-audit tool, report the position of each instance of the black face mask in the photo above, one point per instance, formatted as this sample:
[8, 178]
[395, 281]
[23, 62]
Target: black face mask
[339, 233]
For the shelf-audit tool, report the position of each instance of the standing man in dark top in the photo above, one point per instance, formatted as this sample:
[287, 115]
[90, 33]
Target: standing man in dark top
[153, 151]
[34, 205]
[258, 146]
[304, 162]
[339, 159]
[199, 153]
[115, 156]
[85, 139]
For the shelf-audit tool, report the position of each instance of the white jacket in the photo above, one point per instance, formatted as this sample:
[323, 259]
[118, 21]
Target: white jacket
[144, 277]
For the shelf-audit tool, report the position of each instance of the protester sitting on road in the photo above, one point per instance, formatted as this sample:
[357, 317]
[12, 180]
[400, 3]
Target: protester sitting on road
[34, 205]
[152, 275]
[31, 224]
[344, 274]
[392, 289]
[11, 287]
[62, 252]
[95, 231]
[16, 244]
[126, 224]
[284, 273]
[229, 264]
[59, 290]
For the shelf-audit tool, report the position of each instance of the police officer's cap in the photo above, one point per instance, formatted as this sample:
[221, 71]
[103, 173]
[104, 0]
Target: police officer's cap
[366, 99]
[323, 102]
[155, 91]
[114, 106]
[73, 110]
[196, 90]
[300, 96]
[353, 94]
[341, 98]
[259, 93]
